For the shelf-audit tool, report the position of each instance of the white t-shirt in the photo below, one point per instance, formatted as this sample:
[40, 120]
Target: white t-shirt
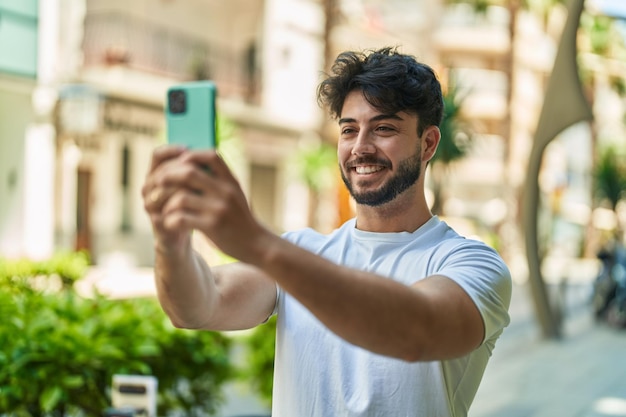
[318, 374]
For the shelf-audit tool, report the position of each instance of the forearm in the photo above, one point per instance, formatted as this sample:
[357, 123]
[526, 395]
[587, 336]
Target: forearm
[362, 309]
[232, 296]
[180, 197]
[185, 287]
[371, 311]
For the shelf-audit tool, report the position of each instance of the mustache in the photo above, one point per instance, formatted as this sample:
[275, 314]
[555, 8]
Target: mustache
[368, 160]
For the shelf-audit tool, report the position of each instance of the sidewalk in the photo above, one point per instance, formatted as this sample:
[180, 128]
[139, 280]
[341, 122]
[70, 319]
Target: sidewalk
[581, 375]
[118, 278]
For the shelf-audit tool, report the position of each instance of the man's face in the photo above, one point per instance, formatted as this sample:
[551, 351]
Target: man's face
[380, 155]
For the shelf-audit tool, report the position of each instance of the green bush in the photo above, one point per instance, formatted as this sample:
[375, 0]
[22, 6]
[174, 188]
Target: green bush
[59, 351]
[67, 267]
[260, 359]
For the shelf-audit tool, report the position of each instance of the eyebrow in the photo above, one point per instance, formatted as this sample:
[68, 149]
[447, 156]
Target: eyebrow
[376, 118]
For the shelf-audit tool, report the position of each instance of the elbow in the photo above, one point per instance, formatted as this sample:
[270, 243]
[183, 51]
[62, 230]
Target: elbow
[410, 352]
[415, 348]
[421, 355]
[187, 325]
[412, 358]
[179, 324]
[183, 323]
[413, 355]
[423, 348]
[428, 353]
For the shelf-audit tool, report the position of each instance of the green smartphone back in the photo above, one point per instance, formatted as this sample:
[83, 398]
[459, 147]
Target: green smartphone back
[190, 115]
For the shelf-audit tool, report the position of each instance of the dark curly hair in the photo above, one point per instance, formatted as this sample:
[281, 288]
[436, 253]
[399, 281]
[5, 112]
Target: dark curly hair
[390, 81]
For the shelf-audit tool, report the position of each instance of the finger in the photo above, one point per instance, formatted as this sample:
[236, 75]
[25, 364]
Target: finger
[183, 200]
[164, 165]
[182, 212]
[179, 221]
[168, 228]
[159, 156]
[163, 153]
[194, 211]
[186, 175]
[155, 197]
[212, 160]
[159, 210]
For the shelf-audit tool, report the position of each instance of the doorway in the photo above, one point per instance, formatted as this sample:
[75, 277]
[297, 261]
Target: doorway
[83, 211]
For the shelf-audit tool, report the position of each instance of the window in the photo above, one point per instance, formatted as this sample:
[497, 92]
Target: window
[18, 37]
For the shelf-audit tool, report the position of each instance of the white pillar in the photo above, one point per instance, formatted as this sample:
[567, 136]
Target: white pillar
[38, 241]
[48, 41]
[39, 192]
[292, 60]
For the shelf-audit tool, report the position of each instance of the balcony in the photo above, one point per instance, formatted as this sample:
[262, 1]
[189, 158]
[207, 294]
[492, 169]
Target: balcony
[473, 38]
[115, 39]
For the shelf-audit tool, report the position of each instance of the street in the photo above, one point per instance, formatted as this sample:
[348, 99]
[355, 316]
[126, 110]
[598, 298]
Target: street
[581, 375]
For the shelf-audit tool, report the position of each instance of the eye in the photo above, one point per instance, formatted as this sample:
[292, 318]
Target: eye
[385, 129]
[347, 131]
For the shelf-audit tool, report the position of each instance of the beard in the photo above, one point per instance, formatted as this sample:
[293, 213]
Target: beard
[409, 171]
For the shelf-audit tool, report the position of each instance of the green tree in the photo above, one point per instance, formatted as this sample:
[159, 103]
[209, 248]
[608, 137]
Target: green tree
[454, 143]
[601, 45]
[609, 177]
[316, 166]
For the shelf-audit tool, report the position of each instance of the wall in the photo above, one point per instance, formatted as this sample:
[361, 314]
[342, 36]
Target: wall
[232, 23]
[292, 61]
[15, 116]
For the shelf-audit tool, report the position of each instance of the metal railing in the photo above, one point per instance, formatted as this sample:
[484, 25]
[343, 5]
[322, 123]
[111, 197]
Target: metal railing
[118, 39]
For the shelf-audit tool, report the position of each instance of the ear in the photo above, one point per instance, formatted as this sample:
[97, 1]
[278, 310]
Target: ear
[431, 137]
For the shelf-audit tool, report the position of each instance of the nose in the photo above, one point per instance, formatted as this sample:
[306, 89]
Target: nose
[363, 144]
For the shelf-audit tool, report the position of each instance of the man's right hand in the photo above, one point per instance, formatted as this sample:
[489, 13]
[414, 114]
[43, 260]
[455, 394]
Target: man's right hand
[177, 198]
[156, 192]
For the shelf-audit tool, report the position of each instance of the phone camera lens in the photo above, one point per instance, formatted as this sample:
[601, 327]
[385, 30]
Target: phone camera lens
[177, 101]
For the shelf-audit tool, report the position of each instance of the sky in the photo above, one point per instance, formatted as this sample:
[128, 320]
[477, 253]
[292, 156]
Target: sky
[614, 8]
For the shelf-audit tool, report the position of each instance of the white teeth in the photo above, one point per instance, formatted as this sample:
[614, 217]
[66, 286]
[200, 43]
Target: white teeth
[367, 169]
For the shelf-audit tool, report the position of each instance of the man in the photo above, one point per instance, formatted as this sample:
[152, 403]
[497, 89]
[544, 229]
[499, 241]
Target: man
[392, 314]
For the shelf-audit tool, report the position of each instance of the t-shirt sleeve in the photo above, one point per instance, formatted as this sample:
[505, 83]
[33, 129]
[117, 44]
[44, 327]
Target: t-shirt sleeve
[482, 273]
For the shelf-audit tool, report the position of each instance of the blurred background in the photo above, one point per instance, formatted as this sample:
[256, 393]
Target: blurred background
[82, 90]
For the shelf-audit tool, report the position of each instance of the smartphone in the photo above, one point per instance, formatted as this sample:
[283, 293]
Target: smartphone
[190, 115]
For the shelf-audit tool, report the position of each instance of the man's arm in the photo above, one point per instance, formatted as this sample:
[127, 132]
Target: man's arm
[227, 297]
[432, 320]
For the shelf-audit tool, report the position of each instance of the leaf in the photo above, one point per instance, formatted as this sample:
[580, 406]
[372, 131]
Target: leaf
[452, 128]
[148, 349]
[73, 381]
[50, 397]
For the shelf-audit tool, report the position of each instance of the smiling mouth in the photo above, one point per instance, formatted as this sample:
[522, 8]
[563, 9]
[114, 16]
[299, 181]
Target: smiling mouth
[368, 169]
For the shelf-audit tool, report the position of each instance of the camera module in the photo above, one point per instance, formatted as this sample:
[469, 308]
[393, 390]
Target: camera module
[177, 101]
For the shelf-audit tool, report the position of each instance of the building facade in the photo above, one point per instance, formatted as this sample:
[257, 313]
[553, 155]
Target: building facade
[107, 67]
[20, 70]
[82, 88]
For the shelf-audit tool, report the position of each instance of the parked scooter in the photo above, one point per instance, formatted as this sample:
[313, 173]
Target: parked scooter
[609, 291]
